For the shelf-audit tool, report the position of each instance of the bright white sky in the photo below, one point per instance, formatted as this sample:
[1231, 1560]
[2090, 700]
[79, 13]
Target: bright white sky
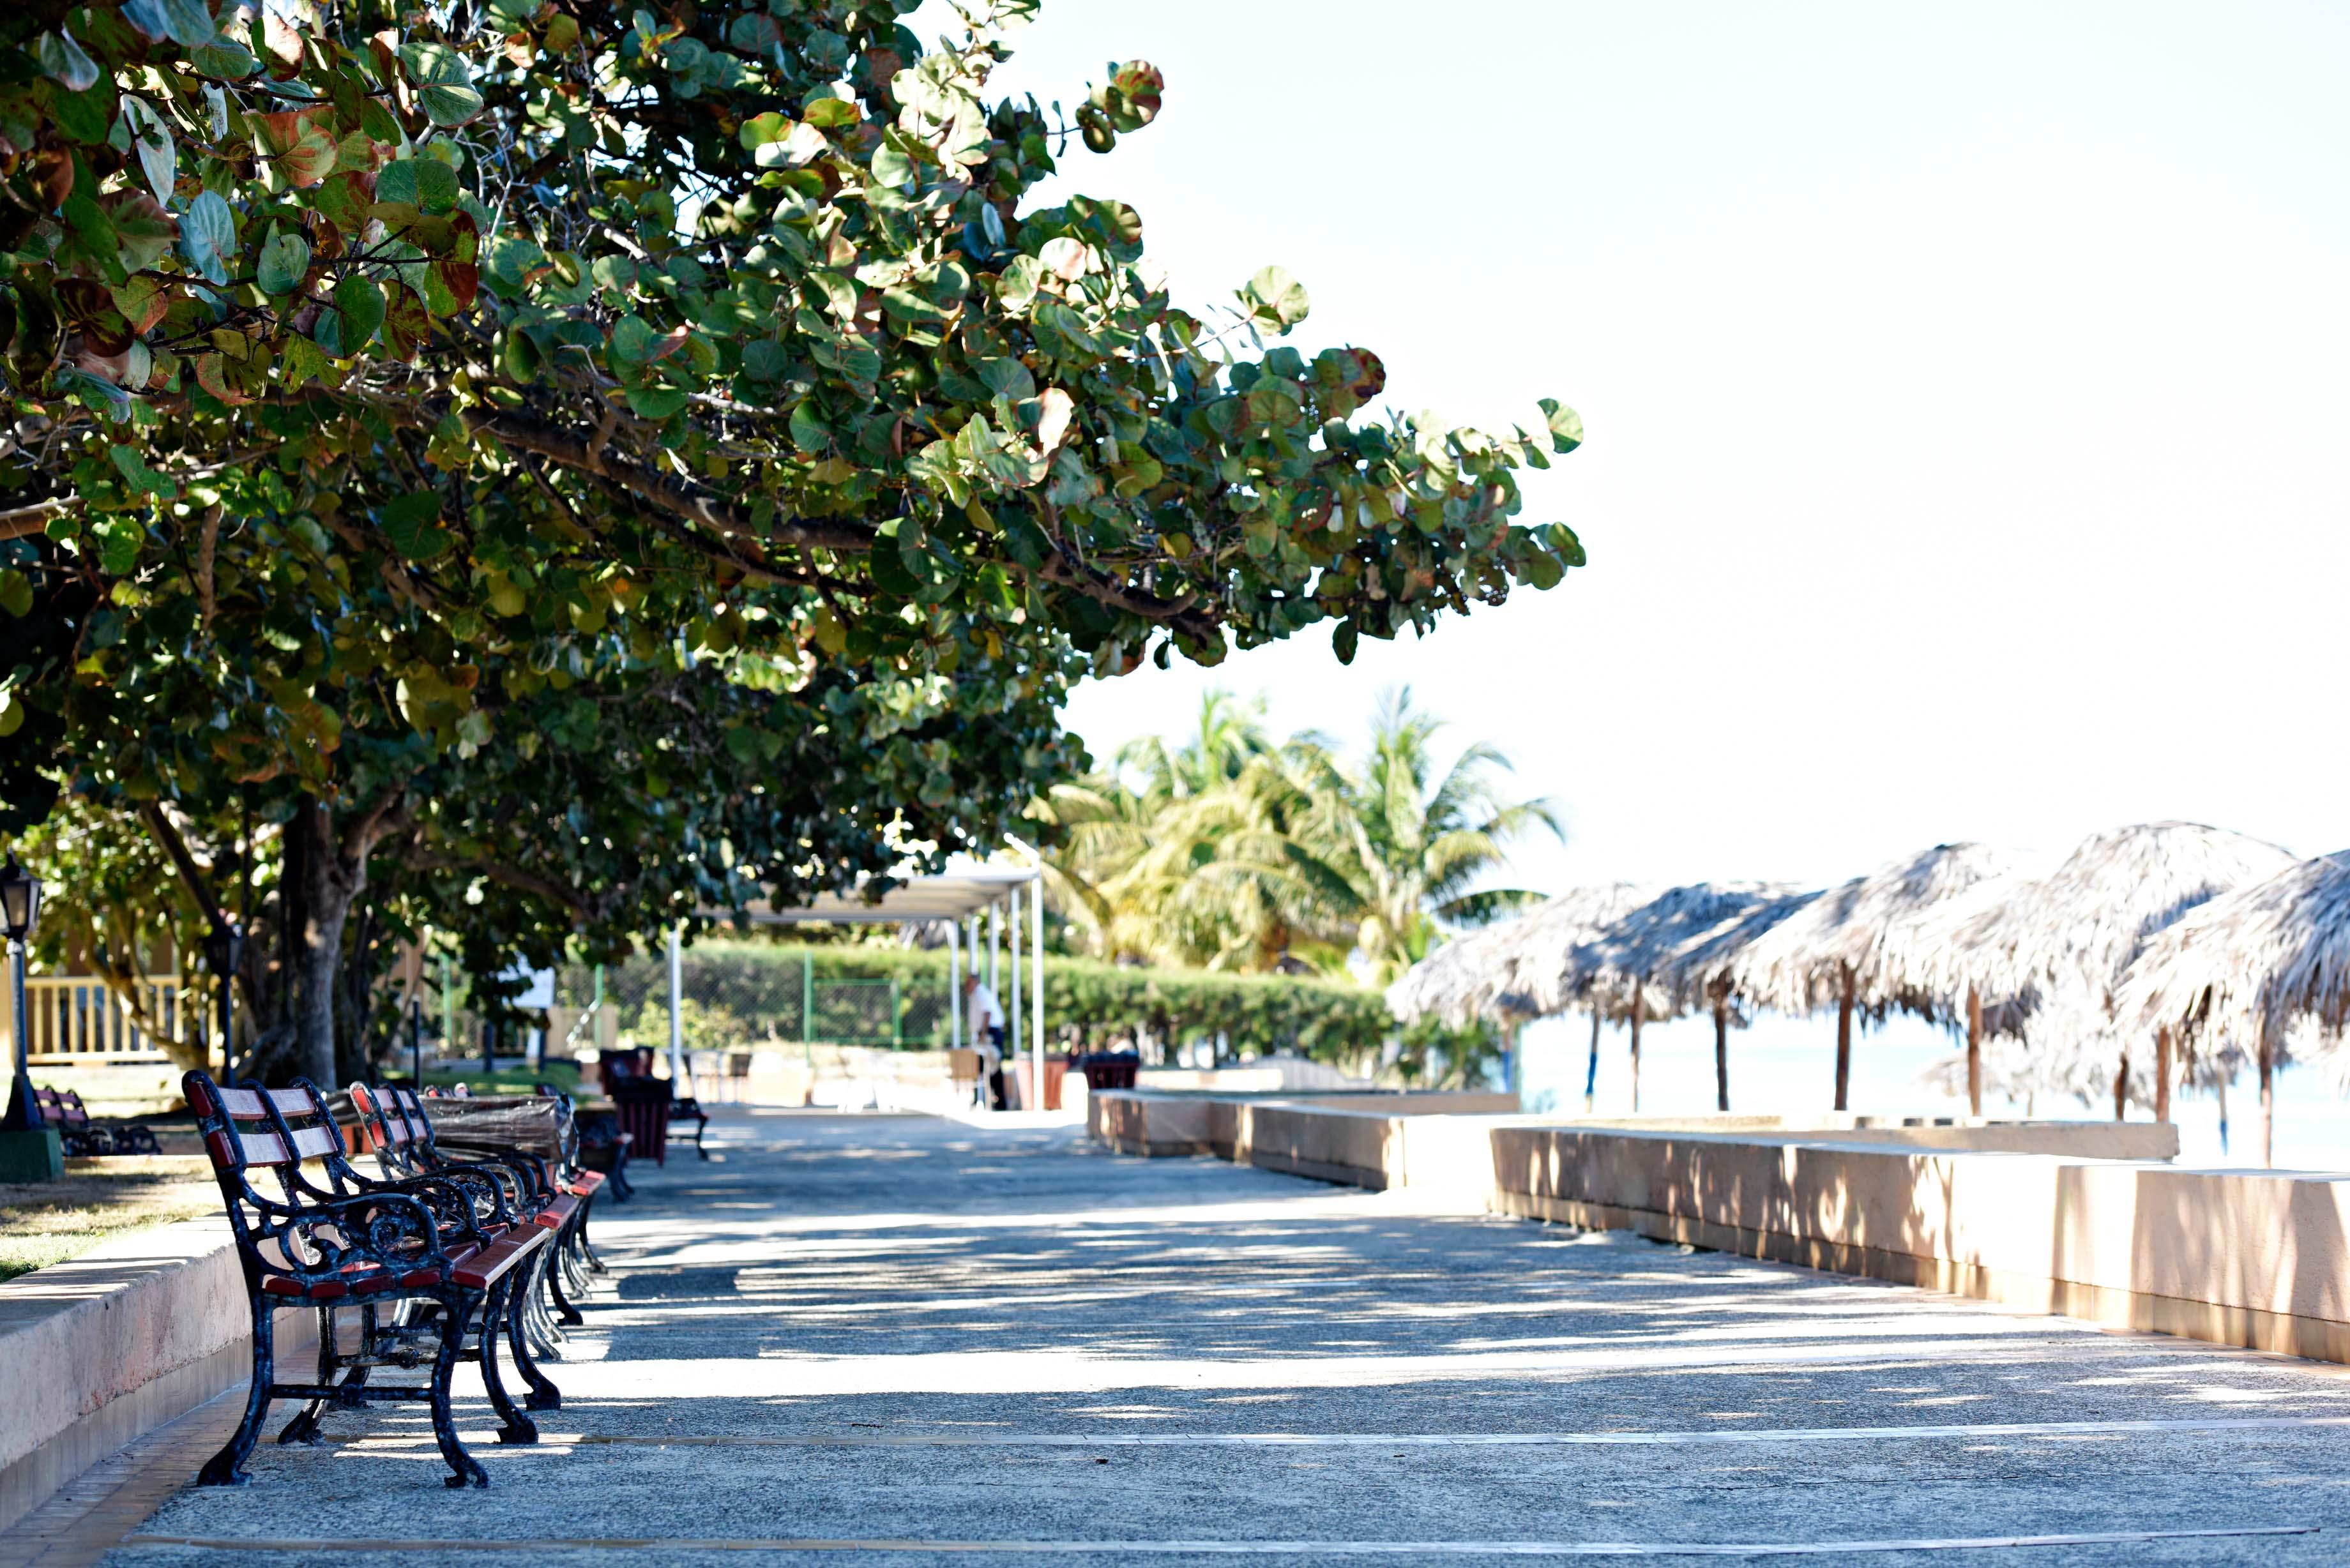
[1965, 389]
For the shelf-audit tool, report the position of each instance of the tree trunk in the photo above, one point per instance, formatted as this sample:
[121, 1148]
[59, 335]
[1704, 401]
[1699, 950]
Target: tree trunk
[1722, 1053]
[2162, 1073]
[1843, 1043]
[1636, 999]
[2121, 1088]
[1974, 1052]
[334, 874]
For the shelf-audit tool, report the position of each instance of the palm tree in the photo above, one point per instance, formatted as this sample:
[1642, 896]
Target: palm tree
[1413, 845]
[1234, 854]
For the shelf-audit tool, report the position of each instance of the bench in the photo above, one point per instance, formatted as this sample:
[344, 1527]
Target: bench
[553, 1194]
[63, 1109]
[429, 1265]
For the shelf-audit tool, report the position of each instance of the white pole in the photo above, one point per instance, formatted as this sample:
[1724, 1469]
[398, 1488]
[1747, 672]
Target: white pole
[994, 943]
[1012, 1000]
[1036, 982]
[676, 1012]
[955, 1042]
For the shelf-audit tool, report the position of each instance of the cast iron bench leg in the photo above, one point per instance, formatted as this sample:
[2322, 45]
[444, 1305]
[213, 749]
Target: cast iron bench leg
[496, 1309]
[543, 1394]
[468, 1469]
[227, 1466]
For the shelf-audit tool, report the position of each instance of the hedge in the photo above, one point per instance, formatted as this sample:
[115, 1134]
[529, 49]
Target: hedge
[754, 990]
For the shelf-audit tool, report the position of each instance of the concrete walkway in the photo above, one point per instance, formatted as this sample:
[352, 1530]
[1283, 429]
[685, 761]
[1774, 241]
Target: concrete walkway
[898, 1339]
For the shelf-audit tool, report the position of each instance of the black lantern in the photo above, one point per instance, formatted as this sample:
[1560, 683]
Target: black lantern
[20, 907]
[20, 900]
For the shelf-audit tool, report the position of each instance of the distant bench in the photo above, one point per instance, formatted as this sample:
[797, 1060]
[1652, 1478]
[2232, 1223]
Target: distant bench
[63, 1109]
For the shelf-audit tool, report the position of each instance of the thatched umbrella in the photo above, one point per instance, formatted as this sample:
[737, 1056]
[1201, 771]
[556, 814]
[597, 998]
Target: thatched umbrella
[1554, 952]
[1467, 978]
[2228, 979]
[2052, 948]
[1865, 945]
[1681, 943]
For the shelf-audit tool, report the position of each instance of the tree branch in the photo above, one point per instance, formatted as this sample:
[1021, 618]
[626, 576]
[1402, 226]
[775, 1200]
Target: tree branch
[20, 521]
[568, 898]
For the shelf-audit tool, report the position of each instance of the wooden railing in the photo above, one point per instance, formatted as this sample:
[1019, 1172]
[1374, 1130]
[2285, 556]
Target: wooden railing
[77, 1015]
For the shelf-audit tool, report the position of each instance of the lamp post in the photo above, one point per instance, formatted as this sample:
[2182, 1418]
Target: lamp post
[20, 909]
[224, 952]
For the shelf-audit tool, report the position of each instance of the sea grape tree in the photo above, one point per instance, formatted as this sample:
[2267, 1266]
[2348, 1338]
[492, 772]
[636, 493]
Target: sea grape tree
[358, 352]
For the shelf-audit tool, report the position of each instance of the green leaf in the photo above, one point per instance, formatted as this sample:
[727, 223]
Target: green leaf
[360, 300]
[16, 592]
[444, 87]
[411, 523]
[1566, 425]
[284, 261]
[1275, 301]
[656, 402]
[184, 22]
[143, 232]
[300, 360]
[119, 538]
[762, 128]
[633, 340]
[63, 61]
[208, 235]
[224, 59]
[141, 478]
[425, 183]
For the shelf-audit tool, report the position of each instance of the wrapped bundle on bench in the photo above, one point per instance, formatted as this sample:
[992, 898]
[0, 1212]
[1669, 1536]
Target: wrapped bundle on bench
[536, 1170]
[430, 1263]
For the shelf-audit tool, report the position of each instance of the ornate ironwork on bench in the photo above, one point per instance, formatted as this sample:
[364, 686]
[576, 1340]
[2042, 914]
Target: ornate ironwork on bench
[429, 1265]
[554, 1192]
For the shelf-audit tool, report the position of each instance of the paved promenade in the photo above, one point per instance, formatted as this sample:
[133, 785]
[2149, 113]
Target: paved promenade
[902, 1340]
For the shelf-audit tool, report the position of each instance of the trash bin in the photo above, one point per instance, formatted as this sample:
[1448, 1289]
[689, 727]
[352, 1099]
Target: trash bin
[1109, 1069]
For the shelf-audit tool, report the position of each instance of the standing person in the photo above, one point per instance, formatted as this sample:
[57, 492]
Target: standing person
[986, 1015]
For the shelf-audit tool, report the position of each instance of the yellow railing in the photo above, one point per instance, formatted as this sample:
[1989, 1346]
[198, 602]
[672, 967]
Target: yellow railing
[77, 1015]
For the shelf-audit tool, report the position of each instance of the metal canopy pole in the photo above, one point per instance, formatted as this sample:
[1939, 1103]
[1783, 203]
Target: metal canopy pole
[955, 1040]
[1012, 1005]
[1036, 982]
[676, 1016]
[995, 942]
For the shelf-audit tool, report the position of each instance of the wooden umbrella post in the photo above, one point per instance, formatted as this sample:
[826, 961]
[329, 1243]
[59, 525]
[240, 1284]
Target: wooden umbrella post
[2268, 1102]
[1721, 1051]
[2162, 1073]
[1843, 1041]
[2121, 1087]
[1974, 1051]
[1637, 997]
[1591, 1073]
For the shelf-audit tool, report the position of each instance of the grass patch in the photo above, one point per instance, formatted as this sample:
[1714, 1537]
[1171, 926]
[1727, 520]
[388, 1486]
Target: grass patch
[515, 1080]
[47, 1222]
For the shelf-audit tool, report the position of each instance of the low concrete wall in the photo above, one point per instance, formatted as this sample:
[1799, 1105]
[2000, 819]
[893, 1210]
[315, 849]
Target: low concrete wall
[2249, 1257]
[2030, 1216]
[106, 1347]
[2094, 1140]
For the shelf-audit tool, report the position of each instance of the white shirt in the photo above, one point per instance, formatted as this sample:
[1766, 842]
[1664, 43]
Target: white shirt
[984, 1013]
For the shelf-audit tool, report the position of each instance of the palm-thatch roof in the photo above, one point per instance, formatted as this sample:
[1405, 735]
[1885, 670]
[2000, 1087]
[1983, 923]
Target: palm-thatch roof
[1871, 930]
[1684, 939]
[2249, 965]
[2050, 952]
[1467, 978]
[1555, 951]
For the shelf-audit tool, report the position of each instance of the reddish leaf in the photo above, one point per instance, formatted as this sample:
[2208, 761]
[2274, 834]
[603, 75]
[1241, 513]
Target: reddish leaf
[212, 375]
[461, 279]
[406, 323]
